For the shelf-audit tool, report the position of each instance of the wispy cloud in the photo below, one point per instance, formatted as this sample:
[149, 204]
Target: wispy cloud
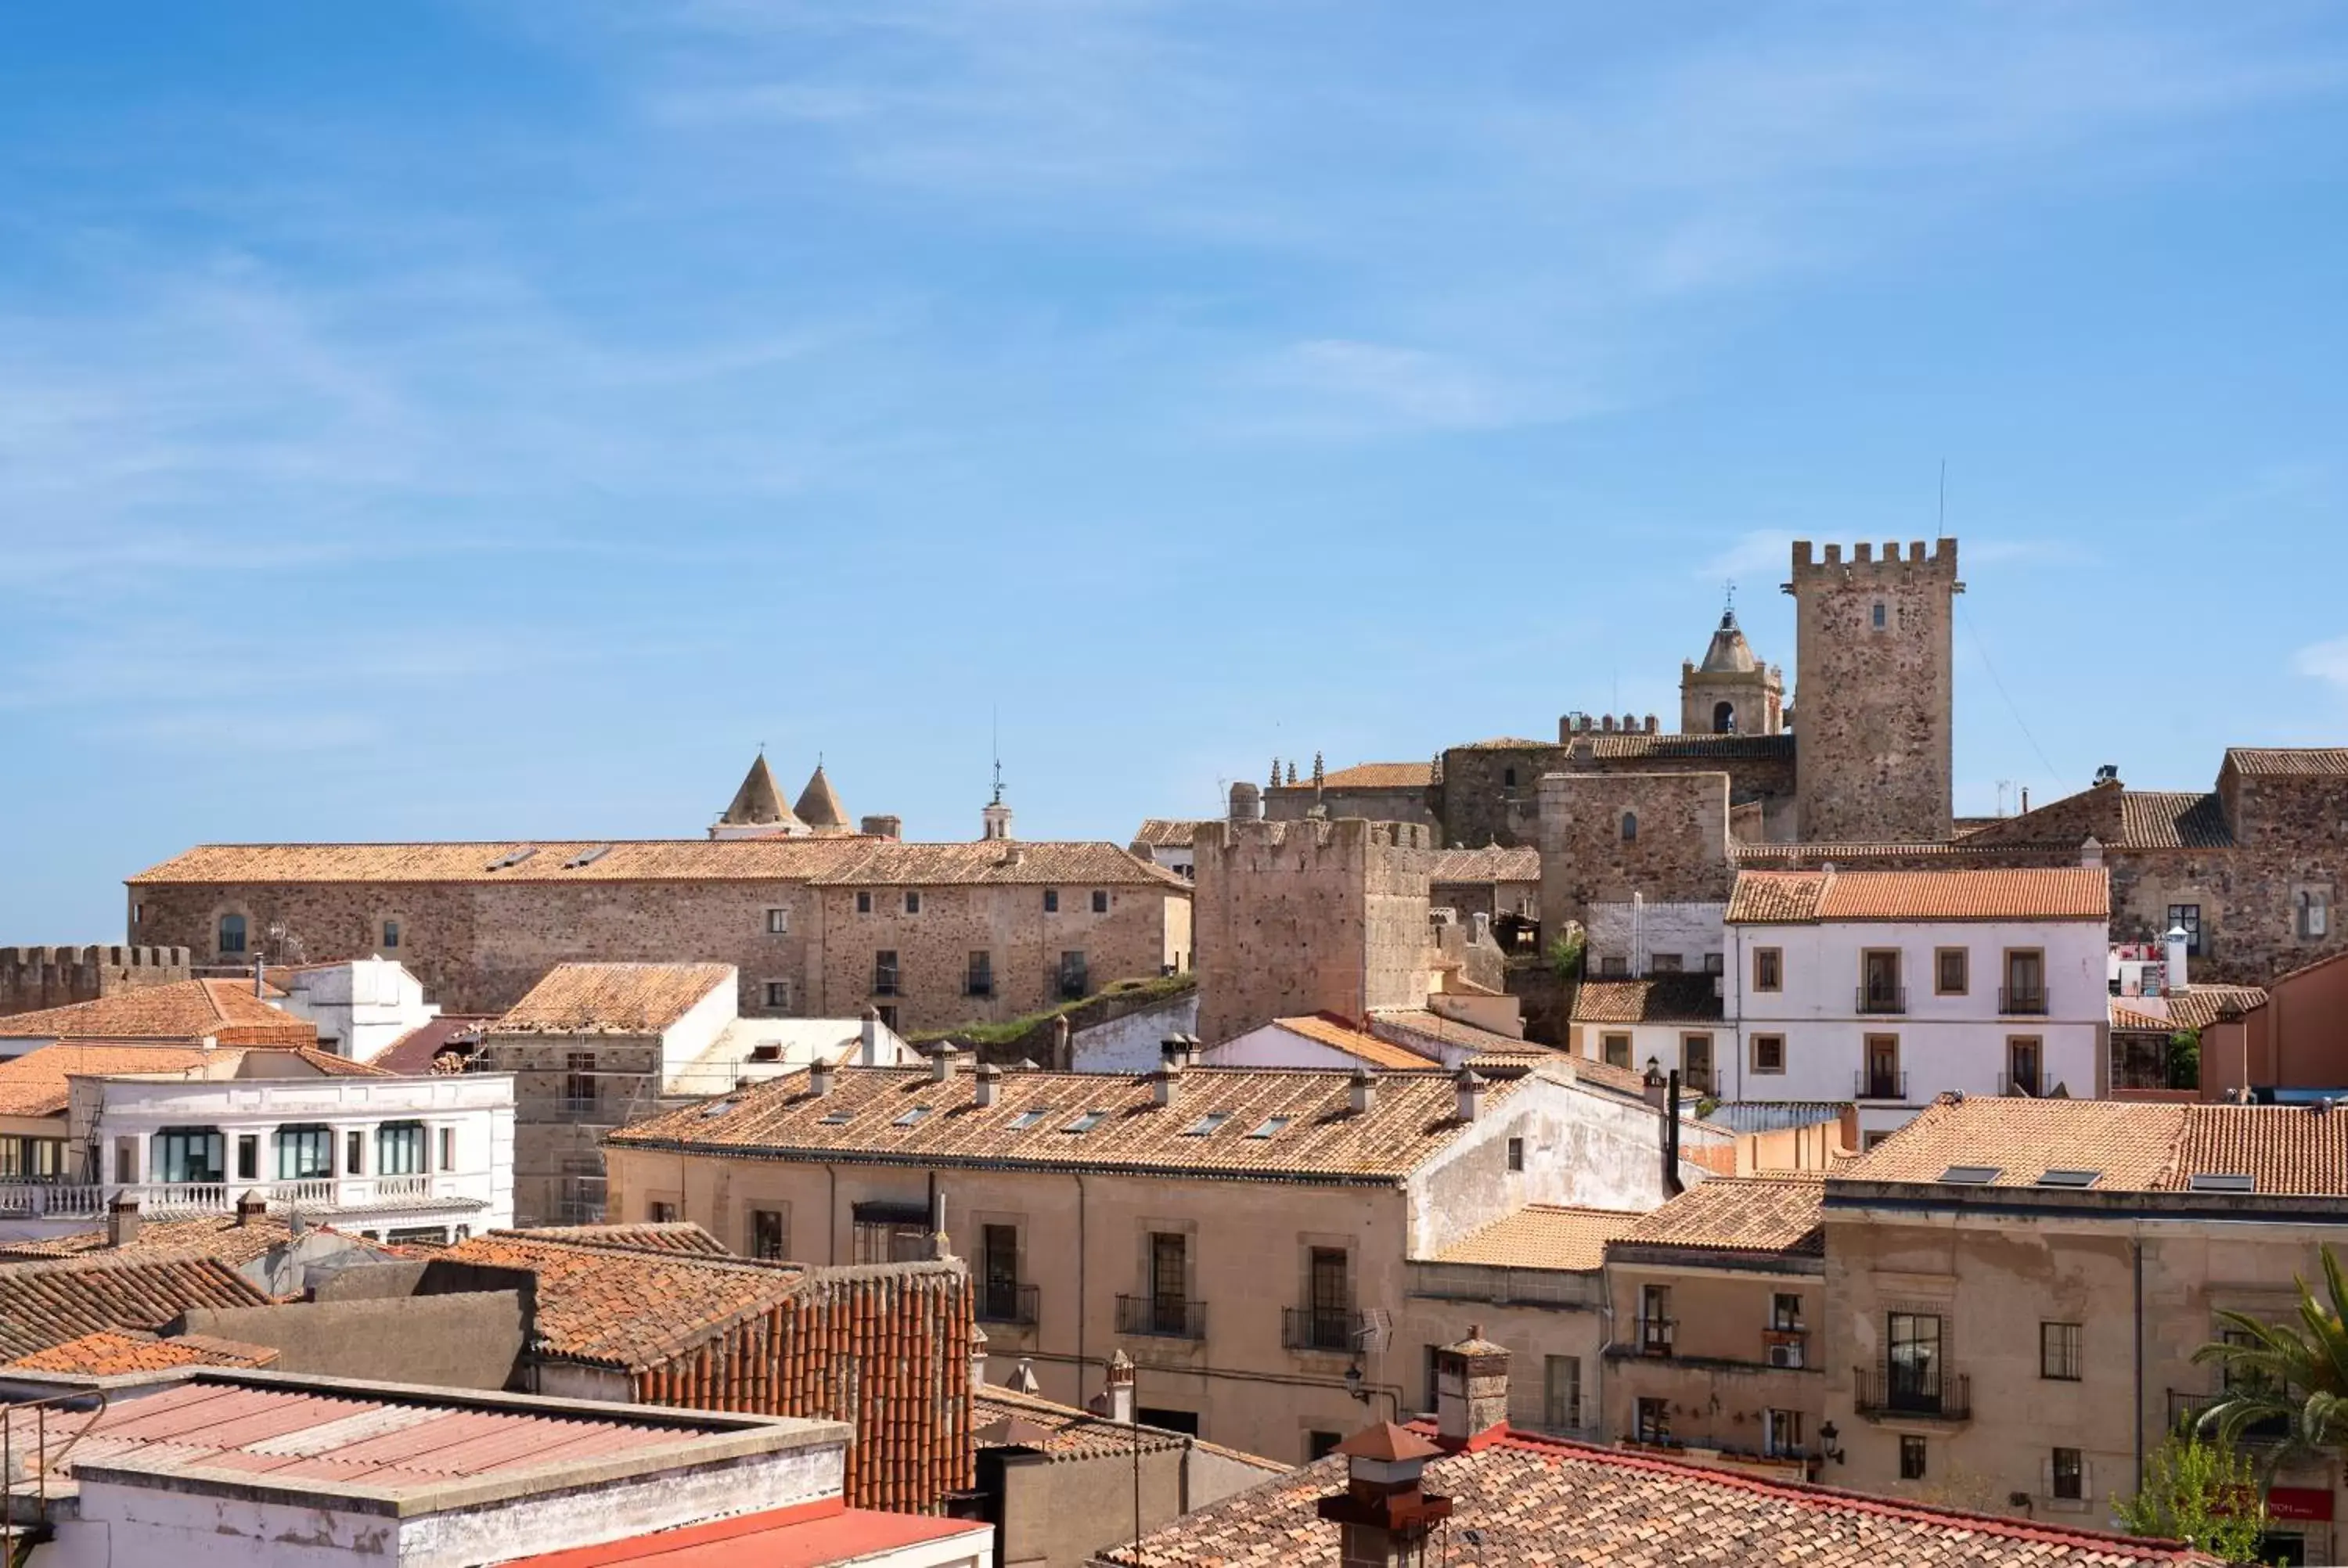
[2327, 662]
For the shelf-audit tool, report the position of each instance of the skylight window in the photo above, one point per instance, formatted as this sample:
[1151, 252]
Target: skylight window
[2220, 1182]
[1971, 1175]
[2060, 1177]
[840, 1118]
[719, 1108]
[1272, 1124]
[1206, 1124]
[1026, 1119]
[1086, 1123]
[911, 1116]
[587, 857]
[511, 857]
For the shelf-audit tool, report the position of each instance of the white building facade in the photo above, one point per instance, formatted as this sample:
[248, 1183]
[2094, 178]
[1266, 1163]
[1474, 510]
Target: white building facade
[1887, 988]
[426, 1158]
[359, 1006]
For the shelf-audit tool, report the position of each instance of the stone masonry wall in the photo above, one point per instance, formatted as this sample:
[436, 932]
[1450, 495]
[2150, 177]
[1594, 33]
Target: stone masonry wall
[32, 978]
[1408, 804]
[1872, 704]
[1481, 806]
[1679, 854]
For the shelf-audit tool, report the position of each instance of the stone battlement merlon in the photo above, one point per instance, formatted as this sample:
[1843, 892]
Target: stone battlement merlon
[1340, 838]
[1864, 563]
[114, 955]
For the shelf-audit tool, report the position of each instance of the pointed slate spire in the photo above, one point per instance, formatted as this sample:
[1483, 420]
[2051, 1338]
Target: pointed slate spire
[820, 807]
[758, 803]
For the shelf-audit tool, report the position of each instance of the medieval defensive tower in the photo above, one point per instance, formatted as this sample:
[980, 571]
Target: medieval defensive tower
[1871, 695]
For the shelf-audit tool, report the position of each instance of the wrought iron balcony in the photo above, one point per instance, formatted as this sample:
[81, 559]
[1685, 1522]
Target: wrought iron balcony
[1161, 1316]
[1882, 1000]
[885, 984]
[1319, 1328]
[1885, 1390]
[1657, 1334]
[1002, 1301]
[1868, 1084]
[2022, 1001]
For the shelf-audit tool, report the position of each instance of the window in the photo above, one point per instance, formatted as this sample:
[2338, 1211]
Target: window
[1654, 1421]
[447, 1148]
[1911, 1458]
[2058, 1351]
[1879, 615]
[304, 1152]
[354, 1152]
[2068, 1475]
[892, 1240]
[912, 900]
[1656, 1321]
[1879, 981]
[1695, 1061]
[247, 1157]
[1170, 1283]
[1667, 963]
[231, 933]
[1028, 1118]
[390, 935]
[1051, 900]
[579, 1082]
[864, 900]
[1781, 1433]
[1086, 1123]
[778, 922]
[1768, 1053]
[183, 1155]
[1616, 1048]
[1950, 977]
[1561, 1393]
[1768, 969]
[2189, 917]
[1786, 1312]
[2025, 981]
[885, 977]
[1613, 966]
[1507, 778]
[1434, 1382]
[1206, 1124]
[1629, 826]
[909, 1116]
[661, 1213]
[770, 1235]
[1515, 1154]
[980, 981]
[778, 995]
[2314, 912]
[1272, 1124]
[1320, 1445]
[1715, 963]
[1329, 1299]
[1074, 980]
[1883, 1079]
[126, 1159]
[2026, 1070]
[1723, 718]
[399, 1148]
[1914, 1361]
[998, 1276]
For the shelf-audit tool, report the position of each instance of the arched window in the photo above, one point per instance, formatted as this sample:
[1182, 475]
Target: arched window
[231, 933]
[1629, 826]
[1723, 718]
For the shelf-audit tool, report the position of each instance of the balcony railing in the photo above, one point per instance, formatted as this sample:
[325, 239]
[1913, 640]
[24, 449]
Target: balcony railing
[1161, 1316]
[1868, 1084]
[885, 984]
[1881, 1392]
[1073, 984]
[2022, 1001]
[1657, 1334]
[88, 1200]
[1319, 1328]
[1000, 1301]
[979, 987]
[1882, 1000]
[2183, 1407]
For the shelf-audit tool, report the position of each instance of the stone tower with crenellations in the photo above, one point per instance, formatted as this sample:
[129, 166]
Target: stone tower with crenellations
[1872, 729]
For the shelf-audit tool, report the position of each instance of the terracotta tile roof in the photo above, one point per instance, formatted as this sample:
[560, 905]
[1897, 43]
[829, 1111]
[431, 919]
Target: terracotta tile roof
[2285, 1150]
[1066, 1432]
[1804, 856]
[2065, 893]
[1491, 863]
[629, 1307]
[2280, 762]
[899, 1115]
[1540, 1502]
[611, 999]
[1419, 1024]
[34, 1084]
[111, 1351]
[1740, 1214]
[2196, 1007]
[226, 1010]
[1665, 748]
[1372, 775]
[1542, 1235]
[1506, 744]
[1168, 831]
[548, 860]
[48, 1302]
[216, 1236]
[660, 1235]
[997, 863]
[2163, 819]
[1366, 1049]
[414, 1051]
[1656, 998]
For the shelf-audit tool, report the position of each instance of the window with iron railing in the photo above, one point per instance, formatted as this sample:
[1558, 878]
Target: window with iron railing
[886, 982]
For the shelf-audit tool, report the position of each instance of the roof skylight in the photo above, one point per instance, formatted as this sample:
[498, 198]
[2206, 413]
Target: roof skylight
[1206, 1124]
[1086, 1123]
[1026, 1119]
[1971, 1175]
[2220, 1182]
[910, 1116]
[2063, 1177]
[1272, 1124]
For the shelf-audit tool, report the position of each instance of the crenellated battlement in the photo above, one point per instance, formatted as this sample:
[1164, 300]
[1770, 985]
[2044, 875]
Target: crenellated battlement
[1864, 561]
[34, 977]
[1309, 845]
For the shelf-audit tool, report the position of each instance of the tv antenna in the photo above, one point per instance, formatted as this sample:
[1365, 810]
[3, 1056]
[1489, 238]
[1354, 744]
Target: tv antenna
[994, 743]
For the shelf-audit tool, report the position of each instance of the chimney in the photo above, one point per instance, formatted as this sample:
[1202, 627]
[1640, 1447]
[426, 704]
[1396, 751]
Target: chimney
[122, 1220]
[941, 1064]
[260, 978]
[1471, 1093]
[1362, 1090]
[977, 1359]
[983, 1083]
[1016, 856]
[1062, 1058]
[251, 1206]
[1023, 1379]
[867, 1038]
[820, 1072]
[2091, 853]
[1162, 1082]
[1247, 802]
[1471, 1392]
[1117, 1392]
[891, 827]
[2025, 800]
[1384, 1515]
[2173, 980]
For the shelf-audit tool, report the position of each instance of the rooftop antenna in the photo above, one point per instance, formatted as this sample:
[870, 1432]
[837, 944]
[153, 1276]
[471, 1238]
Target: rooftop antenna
[995, 742]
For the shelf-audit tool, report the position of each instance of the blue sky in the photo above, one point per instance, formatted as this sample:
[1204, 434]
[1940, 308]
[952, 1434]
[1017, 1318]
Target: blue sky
[486, 419]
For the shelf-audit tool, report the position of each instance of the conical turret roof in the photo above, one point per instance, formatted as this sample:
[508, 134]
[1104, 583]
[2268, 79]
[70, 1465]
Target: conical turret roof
[1729, 654]
[820, 807]
[758, 803]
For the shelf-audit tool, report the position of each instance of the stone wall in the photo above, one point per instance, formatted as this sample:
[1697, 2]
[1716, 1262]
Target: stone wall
[1491, 794]
[1678, 851]
[32, 978]
[1406, 803]
[1872, 703]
